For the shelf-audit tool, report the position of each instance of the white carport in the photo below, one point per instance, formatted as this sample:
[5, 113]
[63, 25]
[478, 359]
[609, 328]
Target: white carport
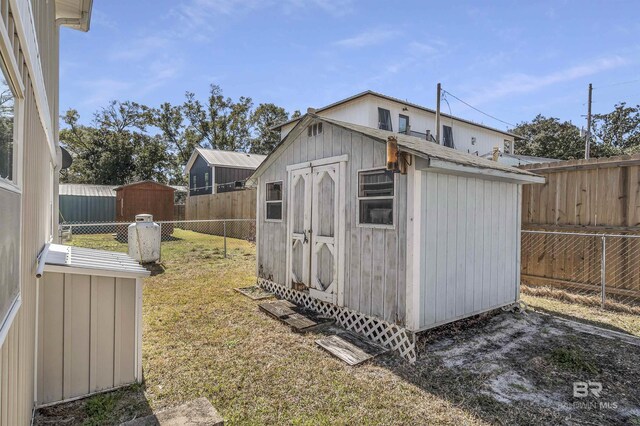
[89, 322]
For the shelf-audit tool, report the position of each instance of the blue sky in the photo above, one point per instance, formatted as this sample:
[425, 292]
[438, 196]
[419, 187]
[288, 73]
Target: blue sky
[510, 59]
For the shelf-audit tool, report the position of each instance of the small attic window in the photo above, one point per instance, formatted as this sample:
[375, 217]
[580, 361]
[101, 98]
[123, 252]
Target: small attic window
[314, 129]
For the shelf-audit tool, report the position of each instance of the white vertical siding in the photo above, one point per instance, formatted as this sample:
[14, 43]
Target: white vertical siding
[17, 354]
[469, 239]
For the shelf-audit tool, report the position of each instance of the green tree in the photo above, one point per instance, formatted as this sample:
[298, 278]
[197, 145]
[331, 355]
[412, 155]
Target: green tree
[115, 149]
[222, 123]
[549, 137]
[263, 118]
[619, 130]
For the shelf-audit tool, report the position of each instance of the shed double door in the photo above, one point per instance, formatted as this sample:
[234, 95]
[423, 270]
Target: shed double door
[315, 225]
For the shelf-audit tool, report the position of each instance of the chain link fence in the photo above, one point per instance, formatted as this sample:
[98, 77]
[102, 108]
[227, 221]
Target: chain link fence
[590, 268]
[95, 234]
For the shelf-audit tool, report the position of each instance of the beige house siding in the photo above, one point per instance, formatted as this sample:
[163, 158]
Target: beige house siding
[88, 339]
[17, 355]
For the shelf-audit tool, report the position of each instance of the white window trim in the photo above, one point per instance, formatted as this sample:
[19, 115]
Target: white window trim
[386, 197]
[281, 201]
[15, 185]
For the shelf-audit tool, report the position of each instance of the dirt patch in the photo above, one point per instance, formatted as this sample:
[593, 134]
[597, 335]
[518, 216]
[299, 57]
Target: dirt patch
[521, 368]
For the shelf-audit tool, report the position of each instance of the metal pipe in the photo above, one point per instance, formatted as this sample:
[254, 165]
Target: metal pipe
[42, 259]
[224, 227]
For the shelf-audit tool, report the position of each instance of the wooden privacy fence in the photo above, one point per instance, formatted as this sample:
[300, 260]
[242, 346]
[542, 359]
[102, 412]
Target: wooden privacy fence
[584, 221]
[227, 205]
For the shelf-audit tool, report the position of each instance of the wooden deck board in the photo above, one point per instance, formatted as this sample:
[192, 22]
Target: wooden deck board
[350, 348]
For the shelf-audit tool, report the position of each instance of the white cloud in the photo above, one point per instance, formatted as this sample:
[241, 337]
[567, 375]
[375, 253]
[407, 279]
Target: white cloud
[367, 38]
[514, 84]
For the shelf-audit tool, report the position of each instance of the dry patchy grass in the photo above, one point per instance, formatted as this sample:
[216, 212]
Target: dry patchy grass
[202, 338]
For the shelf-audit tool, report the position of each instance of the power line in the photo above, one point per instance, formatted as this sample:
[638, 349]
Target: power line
[480, 111]
[618, 84]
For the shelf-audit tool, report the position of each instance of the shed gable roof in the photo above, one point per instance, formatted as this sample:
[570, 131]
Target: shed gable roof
[410, 144]
[144, 182]
[216, 157]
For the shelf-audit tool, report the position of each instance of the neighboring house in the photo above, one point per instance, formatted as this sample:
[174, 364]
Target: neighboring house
[516, 160]
[211, 171]
[383, 112]
[339, 233]
[30, 160]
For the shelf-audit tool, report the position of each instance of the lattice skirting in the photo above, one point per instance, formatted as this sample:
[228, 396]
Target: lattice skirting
[388, 335]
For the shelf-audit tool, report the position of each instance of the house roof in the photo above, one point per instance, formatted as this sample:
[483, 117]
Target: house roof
[391, 98]
[74, 14]
[215, 157]
[84, 190]
[410, 144]
[63, 258]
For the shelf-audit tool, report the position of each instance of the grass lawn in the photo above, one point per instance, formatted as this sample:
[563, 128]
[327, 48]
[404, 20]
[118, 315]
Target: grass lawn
[201, 338]
[619, 321]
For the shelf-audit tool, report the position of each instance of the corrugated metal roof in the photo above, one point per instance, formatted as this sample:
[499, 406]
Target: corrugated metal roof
[95, 262]
[84, 190]
[426, 149]
[231, 158]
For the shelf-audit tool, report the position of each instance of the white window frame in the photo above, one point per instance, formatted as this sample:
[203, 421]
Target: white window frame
[14, 185]
[206, 181]
[386, 197]
[194, 181]
[281, 201]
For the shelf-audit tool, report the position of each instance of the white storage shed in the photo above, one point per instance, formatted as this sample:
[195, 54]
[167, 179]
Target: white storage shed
[89, 322]
[387, 254]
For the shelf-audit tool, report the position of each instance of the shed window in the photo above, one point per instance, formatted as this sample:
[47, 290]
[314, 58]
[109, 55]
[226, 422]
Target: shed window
[193, 182]
[384, 119]
[375, 197]
[206, 181]
[274, 201]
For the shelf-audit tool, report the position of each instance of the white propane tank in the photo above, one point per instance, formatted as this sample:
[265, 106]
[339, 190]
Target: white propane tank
[144, 239]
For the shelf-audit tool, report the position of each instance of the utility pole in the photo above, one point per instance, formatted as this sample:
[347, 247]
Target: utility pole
[587, 143]
[438, 113]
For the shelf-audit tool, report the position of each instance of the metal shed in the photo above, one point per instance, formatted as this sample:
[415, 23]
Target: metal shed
[89, 322]
[387, 254]
[87, 203]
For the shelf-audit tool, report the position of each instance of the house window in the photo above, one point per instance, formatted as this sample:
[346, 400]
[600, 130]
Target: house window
[10, 202]
[206, 181]
[403, 124]
[375, 197]
[508, 148]
[7, 115]
[193, 182]
[274, 201]
[384, 119]
[447, 136]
